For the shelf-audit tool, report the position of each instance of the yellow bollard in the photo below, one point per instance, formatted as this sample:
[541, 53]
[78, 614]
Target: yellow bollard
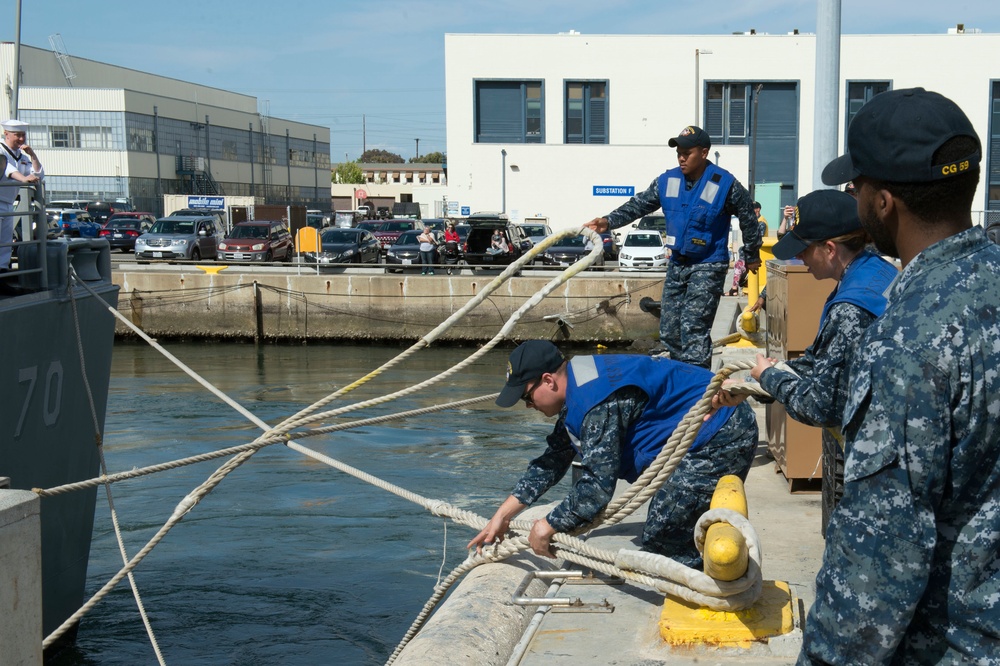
[682, 623]
[726, 555]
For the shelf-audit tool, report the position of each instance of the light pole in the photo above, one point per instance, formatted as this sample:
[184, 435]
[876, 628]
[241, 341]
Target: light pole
[503, 180]
[697, 82]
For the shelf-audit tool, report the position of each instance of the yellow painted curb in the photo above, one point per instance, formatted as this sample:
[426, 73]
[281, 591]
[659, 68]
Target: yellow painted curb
[212, 270]
[685, 624]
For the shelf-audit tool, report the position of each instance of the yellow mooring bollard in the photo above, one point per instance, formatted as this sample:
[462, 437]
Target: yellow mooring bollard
[726, 552]
[726, 557]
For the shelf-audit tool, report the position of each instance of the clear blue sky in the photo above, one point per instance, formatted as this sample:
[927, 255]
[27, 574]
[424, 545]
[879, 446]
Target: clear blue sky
[330, 62]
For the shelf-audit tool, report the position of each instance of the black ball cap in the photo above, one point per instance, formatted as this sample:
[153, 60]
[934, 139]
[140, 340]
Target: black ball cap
[528, 362]
[895, 135]
[819, 216]
[691, 136]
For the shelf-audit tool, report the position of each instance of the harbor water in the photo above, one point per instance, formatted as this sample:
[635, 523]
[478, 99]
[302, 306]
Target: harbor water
[290, 561]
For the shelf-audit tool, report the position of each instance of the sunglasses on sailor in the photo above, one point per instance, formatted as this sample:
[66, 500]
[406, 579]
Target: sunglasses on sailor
[527, 397]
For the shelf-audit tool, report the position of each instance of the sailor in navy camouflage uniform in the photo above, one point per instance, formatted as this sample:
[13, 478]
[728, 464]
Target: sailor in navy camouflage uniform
[698, 200]
[829, 240]
[616, 412]
[911, 571]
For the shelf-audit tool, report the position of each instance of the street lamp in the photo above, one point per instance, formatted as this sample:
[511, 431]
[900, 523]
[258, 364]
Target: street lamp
[697, 82]
[503, 180]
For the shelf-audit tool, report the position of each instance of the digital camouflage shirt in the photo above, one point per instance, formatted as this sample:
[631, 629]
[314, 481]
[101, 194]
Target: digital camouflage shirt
[911, 570]
[601, 442]
[818, 395]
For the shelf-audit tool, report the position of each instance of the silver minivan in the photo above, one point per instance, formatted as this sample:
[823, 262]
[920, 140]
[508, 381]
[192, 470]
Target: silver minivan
[191, 238]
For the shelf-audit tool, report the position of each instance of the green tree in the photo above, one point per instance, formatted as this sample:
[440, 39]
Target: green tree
[348, 172]
[430, 158]
[377, 156]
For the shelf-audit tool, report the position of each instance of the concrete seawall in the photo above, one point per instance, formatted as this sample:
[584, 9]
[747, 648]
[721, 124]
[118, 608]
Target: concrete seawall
[288, 305]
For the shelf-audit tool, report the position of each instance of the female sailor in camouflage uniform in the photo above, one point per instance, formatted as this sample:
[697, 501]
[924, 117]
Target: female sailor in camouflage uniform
[829, 239]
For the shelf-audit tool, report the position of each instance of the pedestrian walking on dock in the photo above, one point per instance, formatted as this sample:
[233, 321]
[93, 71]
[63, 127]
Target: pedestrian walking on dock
[911, 571]
[616, 412]
[698, 200]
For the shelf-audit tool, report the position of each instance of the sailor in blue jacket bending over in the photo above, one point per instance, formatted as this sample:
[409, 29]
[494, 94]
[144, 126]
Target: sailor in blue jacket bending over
[617, 412]
[698, 200]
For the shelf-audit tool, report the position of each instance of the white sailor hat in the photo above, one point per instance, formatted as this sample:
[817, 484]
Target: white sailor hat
[14, 125]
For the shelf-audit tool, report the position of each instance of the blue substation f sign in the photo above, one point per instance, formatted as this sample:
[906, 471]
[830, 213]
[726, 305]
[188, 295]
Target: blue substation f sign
[614, 191]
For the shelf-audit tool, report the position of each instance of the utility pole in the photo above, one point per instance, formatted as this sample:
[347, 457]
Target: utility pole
[418, 148]
[364, 141]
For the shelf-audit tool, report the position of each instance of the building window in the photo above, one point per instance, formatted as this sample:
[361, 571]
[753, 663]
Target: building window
[726, 117]
[509, 112]
[586, 112]
[95, 137]
[64, 136]
[858, 94]
[730, 110]
[993, 157]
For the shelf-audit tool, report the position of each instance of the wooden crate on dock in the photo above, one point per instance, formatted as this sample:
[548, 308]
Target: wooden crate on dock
[794, 303]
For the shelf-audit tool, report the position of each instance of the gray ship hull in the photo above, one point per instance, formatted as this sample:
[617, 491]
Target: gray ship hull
[48, 429]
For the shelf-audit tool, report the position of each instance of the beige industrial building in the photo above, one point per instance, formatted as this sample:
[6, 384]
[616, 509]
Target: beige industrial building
[109, 132]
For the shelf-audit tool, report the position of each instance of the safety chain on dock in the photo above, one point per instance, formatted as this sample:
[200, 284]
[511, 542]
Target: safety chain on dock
[662, 574]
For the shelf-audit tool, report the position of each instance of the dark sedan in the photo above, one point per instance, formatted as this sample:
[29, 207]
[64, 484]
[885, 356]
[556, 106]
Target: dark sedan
[121, 232]
[345, 246]
[406, 251]
[568, 251]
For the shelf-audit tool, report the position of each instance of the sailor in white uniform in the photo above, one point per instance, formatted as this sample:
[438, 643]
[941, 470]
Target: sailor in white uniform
[23, 166]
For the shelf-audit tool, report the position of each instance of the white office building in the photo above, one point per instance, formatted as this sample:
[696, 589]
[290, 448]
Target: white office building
[108, 132]
[569, 126]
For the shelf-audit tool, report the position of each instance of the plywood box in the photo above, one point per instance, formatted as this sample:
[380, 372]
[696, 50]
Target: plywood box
[795, 302]
[797, 448]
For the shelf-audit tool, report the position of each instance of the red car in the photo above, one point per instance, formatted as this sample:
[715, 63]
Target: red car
[393, 229]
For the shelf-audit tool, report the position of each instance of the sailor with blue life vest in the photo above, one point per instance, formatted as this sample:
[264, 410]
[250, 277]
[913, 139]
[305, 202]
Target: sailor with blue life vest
[828, 238]
[21, 165]
[616, 412]
[698, 200]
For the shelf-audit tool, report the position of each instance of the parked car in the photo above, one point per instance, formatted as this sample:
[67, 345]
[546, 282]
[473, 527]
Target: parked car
[221, 219]
[435, 223]
[481, 228]
[76, 204]
[317, 221]
[642, 250]
[570, 250]
[391, 230]
[406, 250]
[610, 246]
[345, 246]
[536, 231]
[149, 217]
[191, 238]
[370, 225]
[102, 211]
[77, 223]
[257, 240]
[653, 222]
[463, 232]
[122, 230]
